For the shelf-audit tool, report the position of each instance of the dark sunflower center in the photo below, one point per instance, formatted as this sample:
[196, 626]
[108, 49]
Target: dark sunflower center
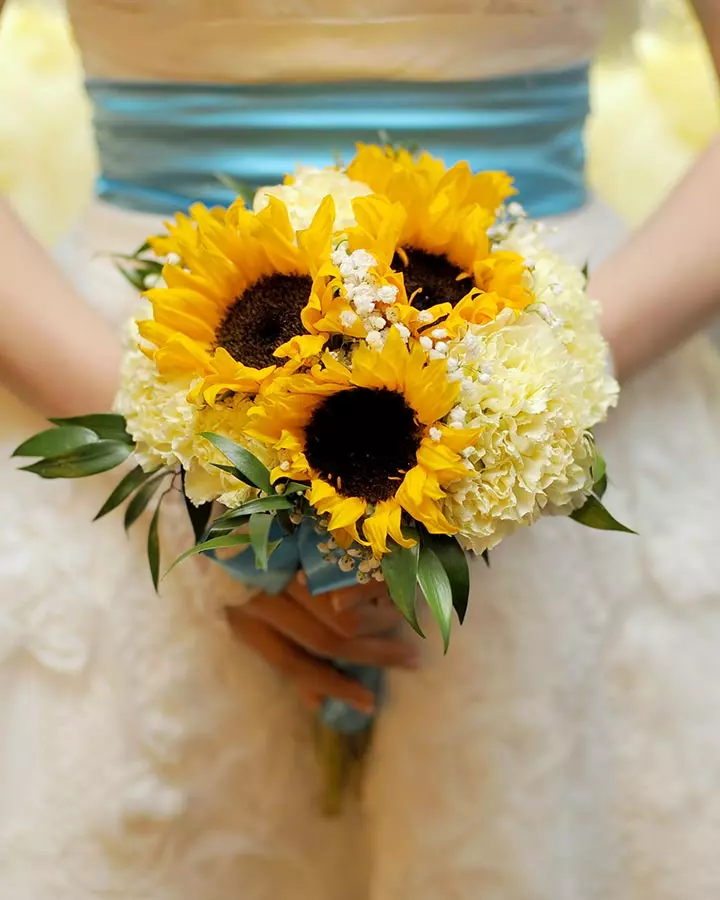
[264, 317]
[434, 276]
[362, 441]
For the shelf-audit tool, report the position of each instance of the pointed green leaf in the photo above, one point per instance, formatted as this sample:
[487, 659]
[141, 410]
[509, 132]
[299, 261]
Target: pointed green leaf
[153, 546]
[453, 560]
[130, 483]
[219, 543]
[56, 441]
[199, 517]
[295, 487]
[132, 275]
[586, 271]
[598, 469]
[91, 459]
[107, 426]
[600, 487]
[594, 515]
[243, 460]
[139, 502]
[400, 568]
[237, 186]
[260, 525]
[238, 516]
[435, 584]
[486, 557]
[225, 526]
[236, 473]
[263, 504]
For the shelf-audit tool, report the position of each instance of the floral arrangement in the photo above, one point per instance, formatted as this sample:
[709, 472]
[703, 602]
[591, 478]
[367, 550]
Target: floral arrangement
[372, 373]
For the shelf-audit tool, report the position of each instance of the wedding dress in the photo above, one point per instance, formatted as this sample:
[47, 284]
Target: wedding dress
[567, 748]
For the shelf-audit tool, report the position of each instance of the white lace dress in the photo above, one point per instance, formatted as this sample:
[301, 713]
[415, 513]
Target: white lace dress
[568, 748]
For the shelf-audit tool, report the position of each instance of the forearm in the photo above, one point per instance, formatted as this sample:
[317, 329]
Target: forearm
[56, 354]
[664, 284]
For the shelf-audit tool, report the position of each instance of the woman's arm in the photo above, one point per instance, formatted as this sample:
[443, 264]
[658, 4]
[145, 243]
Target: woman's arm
[664, 284]
[55, 353]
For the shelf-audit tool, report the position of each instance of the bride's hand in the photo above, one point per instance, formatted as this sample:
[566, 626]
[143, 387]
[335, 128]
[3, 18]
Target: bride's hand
[296, 631]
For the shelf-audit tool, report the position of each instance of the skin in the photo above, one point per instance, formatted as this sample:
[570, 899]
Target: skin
[656, 291]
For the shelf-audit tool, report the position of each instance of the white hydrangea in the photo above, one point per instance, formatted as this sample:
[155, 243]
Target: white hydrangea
[310, 186]
[534, 386]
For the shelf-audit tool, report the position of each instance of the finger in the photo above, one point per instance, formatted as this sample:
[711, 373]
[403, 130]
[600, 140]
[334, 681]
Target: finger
[363, 619]
[311, 677]
[347, 598]
[297, 624]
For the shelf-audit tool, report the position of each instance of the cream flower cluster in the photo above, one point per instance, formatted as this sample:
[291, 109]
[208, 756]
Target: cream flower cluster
[533, 386]
[167, 429]
[306, 191]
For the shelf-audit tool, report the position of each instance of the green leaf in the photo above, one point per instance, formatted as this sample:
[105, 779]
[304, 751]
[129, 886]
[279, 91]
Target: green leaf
[249, 466]
[132, 275]
[231, 470]
[130, 483]
[153, 546]
[237, 186]
[400, 568]
[199, 515]
[107, 426]
[295, 487]
[139, 502]
[56, 441]
[263, 504]
[435, 584]
[586, 271]
[486, 557]
[218, 543]
[594, 515]
[225, 526]
[90, 459]
[453, 560]
[598, 469]
[260, 525]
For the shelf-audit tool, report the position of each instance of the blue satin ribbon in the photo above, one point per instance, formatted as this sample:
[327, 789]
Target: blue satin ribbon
[163, 144]
[295, 552]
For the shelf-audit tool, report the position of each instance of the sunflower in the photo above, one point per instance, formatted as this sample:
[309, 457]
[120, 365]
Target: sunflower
[370, 439]
[183, 235]
[243, 298]
[431, 224]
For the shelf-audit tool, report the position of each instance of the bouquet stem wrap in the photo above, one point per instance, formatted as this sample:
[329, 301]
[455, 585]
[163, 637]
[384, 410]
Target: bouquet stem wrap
[343, 730]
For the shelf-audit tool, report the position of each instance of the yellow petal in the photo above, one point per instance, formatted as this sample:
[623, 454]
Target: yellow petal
[180, 355]
[459, 438]
[385, 521]
[302, 347]
[321, 493]
[346, 512]
[432, 396]
[446, 464]
[418, 495]
[385, 369]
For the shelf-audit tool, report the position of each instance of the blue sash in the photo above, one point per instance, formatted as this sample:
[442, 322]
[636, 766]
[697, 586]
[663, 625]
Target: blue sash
[162, 145]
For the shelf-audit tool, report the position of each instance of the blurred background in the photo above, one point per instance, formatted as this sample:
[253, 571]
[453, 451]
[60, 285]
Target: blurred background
[654, 99]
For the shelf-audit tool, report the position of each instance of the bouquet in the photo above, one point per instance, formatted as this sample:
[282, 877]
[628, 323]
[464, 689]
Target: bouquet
[374, 371]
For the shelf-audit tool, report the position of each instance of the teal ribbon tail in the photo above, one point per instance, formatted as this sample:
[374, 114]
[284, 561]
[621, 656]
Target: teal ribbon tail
[300, 551]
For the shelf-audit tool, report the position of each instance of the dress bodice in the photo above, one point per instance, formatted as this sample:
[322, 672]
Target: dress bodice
[249, 41]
